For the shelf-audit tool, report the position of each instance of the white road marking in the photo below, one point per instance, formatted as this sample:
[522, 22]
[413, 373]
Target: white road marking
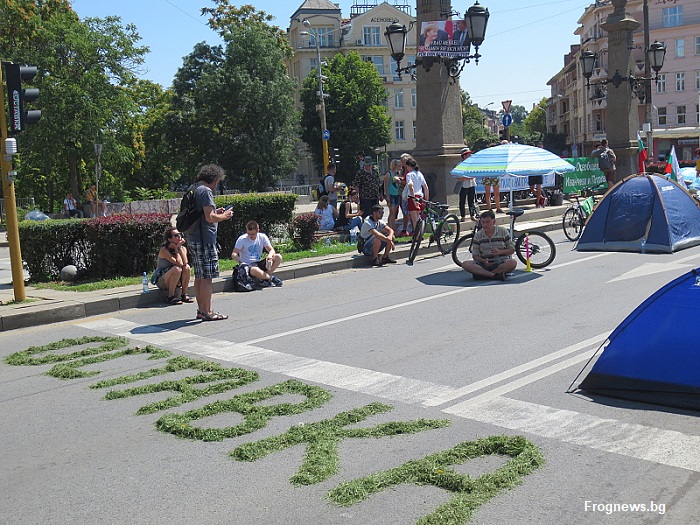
[577, 261]
[666, 447]
[651, 268]
[642, 442]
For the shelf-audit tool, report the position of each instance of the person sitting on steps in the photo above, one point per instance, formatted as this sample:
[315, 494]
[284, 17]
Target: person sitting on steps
[248, 250]
[491, 249]
[377, 236]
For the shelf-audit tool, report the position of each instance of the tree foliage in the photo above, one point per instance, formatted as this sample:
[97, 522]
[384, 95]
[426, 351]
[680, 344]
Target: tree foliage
[476, 135]
[86, 74]
[355, 112]
[233, 104]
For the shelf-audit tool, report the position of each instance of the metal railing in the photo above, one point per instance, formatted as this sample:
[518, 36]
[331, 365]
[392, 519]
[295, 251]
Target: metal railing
[23, 202]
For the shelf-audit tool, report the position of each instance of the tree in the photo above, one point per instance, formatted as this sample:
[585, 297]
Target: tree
[355, 111]
[519, 113]
[536, 121]
[233, 104]
[86, 70]
[473, 119]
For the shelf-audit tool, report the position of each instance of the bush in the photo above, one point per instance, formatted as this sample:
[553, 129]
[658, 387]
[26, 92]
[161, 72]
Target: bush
[267, 209]
[104, 247]
[302, 229]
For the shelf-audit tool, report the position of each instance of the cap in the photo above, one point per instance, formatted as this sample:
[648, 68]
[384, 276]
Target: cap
[465, 150]
[368, 158]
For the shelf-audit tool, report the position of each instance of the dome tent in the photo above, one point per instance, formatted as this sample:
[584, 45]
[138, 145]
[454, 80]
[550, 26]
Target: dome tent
[643, 206]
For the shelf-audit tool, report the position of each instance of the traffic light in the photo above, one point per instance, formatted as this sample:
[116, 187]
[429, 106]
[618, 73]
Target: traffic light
[17, 97]
[336, 156]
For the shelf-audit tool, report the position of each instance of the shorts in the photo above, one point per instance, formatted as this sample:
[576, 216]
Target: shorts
[206, 260]
[394, 200]
[414, 205]
[369, 245]
[491, 266]
[491, 181]
[534, 179]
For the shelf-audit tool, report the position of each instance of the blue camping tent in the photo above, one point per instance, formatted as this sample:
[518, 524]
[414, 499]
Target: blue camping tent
[653, 355]
[643, 206]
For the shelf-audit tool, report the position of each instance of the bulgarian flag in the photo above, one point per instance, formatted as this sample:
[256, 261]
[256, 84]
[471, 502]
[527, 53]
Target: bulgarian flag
[642, 153]
[673, 170]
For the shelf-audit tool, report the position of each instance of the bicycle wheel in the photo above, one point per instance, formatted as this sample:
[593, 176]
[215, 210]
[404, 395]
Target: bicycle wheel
[447, 233]
[542, 249]
[462, 249]
[417, 239]
[572, 223]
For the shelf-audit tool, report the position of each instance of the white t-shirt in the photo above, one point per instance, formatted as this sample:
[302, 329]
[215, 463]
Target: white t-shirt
[418, 180]
[70, 204]
[368, 225]
[327, 219]
[251, 251]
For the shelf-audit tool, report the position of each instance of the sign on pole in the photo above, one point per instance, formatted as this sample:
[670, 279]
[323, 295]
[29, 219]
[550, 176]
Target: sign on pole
[326, 134]
[506, 105]
[507, 120]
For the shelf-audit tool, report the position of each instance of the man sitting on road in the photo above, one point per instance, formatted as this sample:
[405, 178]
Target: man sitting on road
[377, 236]
[491, 249]
[248, 250]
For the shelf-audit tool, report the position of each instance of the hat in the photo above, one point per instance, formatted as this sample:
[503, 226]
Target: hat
[465, 150]
[368, 158]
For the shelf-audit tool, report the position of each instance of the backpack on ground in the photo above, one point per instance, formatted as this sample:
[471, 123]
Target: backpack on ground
[242, 281]
[189, 214]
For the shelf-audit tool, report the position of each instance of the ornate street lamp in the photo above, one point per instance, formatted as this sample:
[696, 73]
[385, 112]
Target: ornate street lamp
[476, 18]
[655, 55]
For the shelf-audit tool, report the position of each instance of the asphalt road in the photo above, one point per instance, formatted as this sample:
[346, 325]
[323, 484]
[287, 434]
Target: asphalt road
[493, 358]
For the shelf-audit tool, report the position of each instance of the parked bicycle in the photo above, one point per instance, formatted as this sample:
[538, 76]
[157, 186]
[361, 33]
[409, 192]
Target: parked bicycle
[444, 228]
[575, 217]
[535, 245]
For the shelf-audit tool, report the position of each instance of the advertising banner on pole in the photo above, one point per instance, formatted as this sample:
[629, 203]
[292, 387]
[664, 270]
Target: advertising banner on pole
[443, 38]
[586, 175]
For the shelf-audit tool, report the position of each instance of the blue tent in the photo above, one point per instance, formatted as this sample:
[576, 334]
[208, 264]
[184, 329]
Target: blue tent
[644, 206]
[653, 356]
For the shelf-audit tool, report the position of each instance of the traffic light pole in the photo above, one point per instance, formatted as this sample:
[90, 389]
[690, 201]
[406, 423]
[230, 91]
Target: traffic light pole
[8, 189]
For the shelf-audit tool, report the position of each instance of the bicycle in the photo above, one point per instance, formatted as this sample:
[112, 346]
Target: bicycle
[535, 245]
[444, 228]
[574, 218]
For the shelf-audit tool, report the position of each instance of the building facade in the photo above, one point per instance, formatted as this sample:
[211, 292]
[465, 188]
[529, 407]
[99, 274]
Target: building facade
[580, 112]
[362, 33]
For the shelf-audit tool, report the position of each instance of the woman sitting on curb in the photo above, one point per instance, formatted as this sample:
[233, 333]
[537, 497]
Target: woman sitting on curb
[326, 214]
[172, 269]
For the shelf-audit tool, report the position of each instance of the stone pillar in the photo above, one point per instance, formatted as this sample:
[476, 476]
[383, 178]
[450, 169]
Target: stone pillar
[622, 111]
[439, 134]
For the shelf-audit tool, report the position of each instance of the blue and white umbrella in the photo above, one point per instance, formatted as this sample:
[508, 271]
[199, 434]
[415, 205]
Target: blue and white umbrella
[511, 160]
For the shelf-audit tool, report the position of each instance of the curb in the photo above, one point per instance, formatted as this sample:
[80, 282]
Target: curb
[67, 306]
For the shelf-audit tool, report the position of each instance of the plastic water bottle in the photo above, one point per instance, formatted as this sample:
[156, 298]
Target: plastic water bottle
[328, 242]
[145, 283]
[353, 235]
[644, 245]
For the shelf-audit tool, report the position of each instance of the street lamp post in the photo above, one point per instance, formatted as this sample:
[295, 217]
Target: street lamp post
[321, 107]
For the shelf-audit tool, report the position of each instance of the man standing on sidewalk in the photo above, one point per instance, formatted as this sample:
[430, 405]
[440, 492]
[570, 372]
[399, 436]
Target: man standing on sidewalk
[201, 240]
[368, 186]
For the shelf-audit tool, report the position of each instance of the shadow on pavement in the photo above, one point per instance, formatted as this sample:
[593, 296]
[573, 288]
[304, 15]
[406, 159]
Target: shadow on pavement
[457, 278]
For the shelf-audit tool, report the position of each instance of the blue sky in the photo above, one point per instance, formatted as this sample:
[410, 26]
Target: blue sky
[526, 40]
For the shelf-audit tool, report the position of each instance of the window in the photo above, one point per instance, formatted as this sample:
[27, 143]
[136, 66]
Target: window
[697, 114]
[398, 130]
[680, 81]
[697, 80]
[371, 36]
[414, 97]
[325, 37]
[378, 62]
[662, 116]
[398, 98]
[680, 48]
[661, 85]
[414, 130]
[673, 16]
[680, 114]
[313, 65]
[697, 45]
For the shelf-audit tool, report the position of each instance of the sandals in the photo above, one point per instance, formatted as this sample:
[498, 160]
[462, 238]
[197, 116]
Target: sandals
[214, 316]
[186, 298]
[174, 300]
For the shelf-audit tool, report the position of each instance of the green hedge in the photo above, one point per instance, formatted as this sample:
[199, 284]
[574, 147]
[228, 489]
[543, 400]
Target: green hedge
[268, 209]
[104, 247]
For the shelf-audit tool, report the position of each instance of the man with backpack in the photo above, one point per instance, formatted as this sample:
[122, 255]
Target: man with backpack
[329, 185]
[201, 237]
[606, 161]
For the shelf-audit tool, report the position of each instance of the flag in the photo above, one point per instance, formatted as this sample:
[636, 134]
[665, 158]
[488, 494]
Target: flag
[673, 170]
[642, 153]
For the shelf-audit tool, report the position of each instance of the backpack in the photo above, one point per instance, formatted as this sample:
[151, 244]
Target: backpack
[242, 281]
[189, 214]
[604, 161]
[322, 187]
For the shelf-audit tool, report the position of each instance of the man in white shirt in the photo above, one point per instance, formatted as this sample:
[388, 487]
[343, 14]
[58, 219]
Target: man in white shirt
[248, 250]
[70, 206]
[377, 236]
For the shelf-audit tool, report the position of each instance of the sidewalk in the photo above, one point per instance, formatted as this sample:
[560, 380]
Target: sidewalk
[51, 306]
